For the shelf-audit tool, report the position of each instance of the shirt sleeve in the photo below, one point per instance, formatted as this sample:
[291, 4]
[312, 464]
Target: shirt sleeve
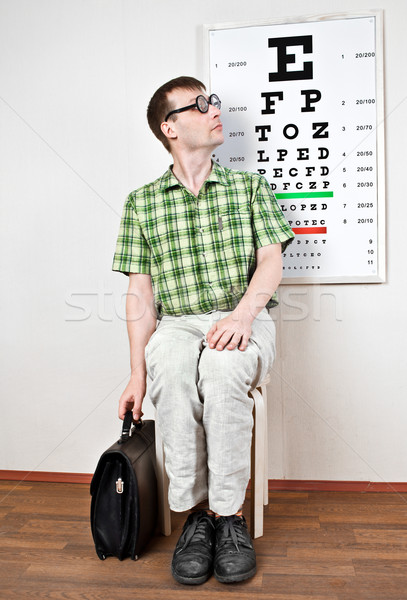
[269, 224]
[132, 253]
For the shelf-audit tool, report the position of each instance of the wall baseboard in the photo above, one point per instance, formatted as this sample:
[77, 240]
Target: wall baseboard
[275, 485]
[304, 485]
[46, 476]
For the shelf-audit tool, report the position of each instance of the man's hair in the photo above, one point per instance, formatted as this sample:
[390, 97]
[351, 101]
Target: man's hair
[159, 105]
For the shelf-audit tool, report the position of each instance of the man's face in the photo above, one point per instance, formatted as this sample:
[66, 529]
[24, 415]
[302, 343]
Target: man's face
[195, 130]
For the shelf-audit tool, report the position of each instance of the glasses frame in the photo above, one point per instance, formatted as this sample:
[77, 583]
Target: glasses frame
[213, 99]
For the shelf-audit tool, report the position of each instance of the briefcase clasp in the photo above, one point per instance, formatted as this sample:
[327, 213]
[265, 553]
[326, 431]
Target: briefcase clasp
[119, 486]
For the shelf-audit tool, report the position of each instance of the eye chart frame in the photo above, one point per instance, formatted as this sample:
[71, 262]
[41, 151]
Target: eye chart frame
[303, 105]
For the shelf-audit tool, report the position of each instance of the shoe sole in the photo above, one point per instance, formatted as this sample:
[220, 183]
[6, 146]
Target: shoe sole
[235, 578]
[190, 580]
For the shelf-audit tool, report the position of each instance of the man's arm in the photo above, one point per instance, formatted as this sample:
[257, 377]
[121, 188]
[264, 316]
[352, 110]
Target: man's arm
[141, 323]
[235, 329]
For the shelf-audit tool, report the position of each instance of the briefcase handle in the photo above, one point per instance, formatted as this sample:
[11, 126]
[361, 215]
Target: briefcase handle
[127, 423]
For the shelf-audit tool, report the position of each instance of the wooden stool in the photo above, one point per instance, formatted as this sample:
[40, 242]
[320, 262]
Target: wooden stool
[259, 467]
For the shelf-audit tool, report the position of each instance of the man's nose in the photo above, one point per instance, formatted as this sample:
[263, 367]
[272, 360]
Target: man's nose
[214, 110]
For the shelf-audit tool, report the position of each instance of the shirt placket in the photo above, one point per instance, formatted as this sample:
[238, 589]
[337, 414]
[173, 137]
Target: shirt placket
[203, 216]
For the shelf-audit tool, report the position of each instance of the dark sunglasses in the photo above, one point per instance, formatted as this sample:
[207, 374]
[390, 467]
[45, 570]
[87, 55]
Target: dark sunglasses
[201, 103]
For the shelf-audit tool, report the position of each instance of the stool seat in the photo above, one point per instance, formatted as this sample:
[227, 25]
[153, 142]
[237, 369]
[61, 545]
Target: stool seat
[259, 467]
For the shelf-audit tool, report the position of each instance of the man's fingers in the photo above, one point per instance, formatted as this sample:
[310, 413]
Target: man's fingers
[224, 334]
[220, 340]
[212, 330]
[125, 404]
[137, 414]
[243, 342]
[234, 341]
[210, 334]
[214, 337]
[229, 339]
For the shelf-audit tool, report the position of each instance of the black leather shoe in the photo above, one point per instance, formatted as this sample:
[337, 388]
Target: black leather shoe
[235, 558]
[192, 562]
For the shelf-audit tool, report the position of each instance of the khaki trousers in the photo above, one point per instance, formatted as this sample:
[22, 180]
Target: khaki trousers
[203, 409]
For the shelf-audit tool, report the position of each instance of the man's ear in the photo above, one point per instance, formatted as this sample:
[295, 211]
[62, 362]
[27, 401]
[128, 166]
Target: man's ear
[168, 130]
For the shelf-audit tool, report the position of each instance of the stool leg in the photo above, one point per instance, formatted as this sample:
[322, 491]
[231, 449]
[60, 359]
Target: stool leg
[257, 467]
[164, 513]
[263, 391]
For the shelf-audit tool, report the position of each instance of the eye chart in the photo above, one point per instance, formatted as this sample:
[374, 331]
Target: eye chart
[302, 104]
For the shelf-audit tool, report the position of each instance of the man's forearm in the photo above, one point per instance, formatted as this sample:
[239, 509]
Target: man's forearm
[263, 284]
[139, 334]
[234, 330]
[141, 324]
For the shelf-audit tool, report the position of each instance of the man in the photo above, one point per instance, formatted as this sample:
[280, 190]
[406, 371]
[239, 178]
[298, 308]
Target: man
[202, 247]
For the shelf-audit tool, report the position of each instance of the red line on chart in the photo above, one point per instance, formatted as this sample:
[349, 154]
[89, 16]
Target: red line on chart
[308, 230]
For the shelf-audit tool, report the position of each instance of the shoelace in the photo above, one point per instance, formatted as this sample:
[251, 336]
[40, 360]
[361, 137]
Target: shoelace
[232, 529]
[196, 529]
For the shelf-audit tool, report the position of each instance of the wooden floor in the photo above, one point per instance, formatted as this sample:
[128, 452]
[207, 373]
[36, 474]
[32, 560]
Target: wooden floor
[317, 545]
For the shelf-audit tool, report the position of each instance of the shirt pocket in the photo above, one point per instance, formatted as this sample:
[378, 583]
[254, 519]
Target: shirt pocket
[235, 226]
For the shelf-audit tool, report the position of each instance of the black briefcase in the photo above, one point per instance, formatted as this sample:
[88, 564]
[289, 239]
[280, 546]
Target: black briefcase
[124, 493]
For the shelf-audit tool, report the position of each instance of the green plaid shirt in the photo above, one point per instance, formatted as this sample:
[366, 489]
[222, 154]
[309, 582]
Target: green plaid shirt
[199, 251]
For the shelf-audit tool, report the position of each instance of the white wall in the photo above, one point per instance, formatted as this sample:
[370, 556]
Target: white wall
[76, 77]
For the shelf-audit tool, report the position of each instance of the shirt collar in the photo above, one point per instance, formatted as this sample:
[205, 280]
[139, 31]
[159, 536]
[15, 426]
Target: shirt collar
[217, 175]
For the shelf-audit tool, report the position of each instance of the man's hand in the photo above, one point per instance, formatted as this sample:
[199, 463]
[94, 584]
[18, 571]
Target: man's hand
[230, 332]
[132, 399]
[234, 330]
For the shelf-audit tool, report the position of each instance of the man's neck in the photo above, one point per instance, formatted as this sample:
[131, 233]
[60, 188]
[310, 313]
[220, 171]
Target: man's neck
[192, 170]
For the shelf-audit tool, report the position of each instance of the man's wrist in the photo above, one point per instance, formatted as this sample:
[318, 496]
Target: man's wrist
[242, 312]
[248, 308]
[138, 374]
